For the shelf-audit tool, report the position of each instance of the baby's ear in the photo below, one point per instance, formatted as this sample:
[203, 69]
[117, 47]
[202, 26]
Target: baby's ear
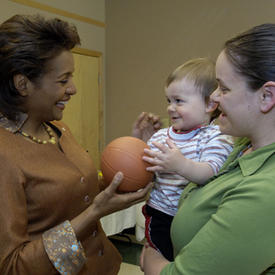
[211, 106]
[267, 100]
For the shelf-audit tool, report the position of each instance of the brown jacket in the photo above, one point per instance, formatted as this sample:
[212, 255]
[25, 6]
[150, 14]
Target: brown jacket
[40, 188]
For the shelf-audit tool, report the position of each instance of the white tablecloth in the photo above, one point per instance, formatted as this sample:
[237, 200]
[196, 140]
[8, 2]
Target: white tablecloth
[131, 217]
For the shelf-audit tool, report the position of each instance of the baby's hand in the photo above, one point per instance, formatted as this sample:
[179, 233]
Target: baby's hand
[145, 126]
[168, 159]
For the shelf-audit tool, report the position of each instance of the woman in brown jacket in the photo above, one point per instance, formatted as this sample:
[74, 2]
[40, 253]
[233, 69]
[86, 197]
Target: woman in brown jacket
[49, 193]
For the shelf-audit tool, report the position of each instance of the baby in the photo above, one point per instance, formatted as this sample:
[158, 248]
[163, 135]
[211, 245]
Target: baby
[192, 149]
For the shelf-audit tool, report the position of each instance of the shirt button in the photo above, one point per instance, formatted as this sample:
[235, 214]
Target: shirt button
[63, 129]
[87, 199]
[82, 180]
[100, 252]
[94, 233]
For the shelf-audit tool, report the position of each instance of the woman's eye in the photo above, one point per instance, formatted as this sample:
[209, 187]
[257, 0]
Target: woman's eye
[223, 89]
[179, 101]
[63, 82]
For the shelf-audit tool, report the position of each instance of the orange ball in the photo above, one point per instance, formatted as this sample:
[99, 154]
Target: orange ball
[125, 154]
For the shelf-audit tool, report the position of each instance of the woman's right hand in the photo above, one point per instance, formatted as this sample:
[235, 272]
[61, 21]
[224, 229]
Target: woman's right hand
[109, 200]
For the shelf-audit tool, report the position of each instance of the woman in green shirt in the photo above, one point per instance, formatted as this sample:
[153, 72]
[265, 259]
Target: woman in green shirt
[227, 227]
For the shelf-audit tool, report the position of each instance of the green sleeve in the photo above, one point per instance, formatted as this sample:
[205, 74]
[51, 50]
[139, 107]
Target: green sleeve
[238, 239]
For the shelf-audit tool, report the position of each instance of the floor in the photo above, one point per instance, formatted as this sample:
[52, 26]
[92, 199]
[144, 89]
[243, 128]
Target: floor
[130, 251]
[129, 269]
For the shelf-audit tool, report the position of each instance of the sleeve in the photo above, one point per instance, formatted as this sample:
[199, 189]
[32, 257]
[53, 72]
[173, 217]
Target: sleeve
[149, 142]
[64, 251]
[216, 151]
[238, 239]
[19, 254]
[160, 136]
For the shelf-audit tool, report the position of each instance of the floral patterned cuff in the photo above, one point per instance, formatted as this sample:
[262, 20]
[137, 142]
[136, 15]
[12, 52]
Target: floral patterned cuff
[63, 249]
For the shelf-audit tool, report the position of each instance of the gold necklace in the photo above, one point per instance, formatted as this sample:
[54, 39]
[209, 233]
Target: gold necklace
[48, 129]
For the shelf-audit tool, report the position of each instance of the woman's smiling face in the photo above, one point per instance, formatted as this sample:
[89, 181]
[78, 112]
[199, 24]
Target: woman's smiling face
[237, 102]
[47, 99]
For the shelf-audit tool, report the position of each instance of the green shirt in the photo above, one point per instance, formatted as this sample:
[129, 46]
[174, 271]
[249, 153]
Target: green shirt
[228, 226]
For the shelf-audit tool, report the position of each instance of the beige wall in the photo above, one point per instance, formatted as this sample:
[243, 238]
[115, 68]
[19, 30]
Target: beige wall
[94, 9]
[146, 39]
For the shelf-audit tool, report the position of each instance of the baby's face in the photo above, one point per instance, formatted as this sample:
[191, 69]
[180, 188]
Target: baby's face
[186, 106]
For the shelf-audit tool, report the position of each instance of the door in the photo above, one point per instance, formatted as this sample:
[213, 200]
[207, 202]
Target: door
[83, 113]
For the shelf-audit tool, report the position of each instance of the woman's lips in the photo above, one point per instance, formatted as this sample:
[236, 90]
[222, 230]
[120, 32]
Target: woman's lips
[61, 104]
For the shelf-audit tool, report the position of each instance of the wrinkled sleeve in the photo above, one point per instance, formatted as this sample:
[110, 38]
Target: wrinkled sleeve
[64, 251]
[238, 239]
[18, 253]
[216, 151]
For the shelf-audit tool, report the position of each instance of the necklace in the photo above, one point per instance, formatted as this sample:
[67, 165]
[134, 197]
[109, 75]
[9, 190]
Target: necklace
[48, 129]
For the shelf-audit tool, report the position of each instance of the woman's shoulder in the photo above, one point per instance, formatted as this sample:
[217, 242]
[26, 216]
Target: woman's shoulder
[62, 127]
[59, 124]
[241, 141]
[6, 137]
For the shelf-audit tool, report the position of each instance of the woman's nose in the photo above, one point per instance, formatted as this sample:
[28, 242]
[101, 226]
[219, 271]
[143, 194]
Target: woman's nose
[71, 90]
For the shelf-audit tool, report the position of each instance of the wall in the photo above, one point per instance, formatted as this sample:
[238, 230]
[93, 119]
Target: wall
[147, 39]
